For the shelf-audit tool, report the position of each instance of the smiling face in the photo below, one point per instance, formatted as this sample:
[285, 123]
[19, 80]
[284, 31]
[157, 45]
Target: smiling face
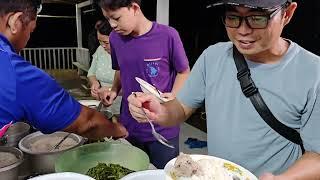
[253, 42]
[122, 20]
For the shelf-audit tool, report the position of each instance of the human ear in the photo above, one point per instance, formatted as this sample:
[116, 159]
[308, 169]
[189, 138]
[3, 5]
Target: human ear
[13, 22]
[289, 12]
[136, 8]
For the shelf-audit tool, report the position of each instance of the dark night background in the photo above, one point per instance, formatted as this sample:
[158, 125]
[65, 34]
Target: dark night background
[198, 26]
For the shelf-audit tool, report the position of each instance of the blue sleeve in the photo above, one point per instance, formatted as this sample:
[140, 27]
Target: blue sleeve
[46, 105]
[192, 93]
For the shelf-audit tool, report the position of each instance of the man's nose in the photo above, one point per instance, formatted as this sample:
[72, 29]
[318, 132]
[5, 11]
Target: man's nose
[112, 23]
[244, 28]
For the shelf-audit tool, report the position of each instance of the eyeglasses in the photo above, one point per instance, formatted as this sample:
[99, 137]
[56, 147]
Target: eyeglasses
[253, 21]
[104, 43]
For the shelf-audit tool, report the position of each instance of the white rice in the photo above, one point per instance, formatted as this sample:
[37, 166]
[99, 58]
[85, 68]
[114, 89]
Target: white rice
[7, 159]
[208, 169]
[46, 144]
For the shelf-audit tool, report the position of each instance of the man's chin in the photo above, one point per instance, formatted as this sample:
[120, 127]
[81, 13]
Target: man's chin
[123, 33]
[247, 51]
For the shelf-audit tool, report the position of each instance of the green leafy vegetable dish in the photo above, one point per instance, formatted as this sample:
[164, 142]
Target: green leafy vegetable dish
[108, 172]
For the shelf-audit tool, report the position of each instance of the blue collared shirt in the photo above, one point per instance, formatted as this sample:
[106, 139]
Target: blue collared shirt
[28, 93]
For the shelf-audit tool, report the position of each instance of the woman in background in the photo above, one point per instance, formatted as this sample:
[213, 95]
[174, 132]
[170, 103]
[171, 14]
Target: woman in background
[101, 73]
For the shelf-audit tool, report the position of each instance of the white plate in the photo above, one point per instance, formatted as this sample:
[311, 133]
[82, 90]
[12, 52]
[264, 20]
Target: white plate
[246, 175]
[158, 174]
[62, 176]
[148, 88]
[90, 103]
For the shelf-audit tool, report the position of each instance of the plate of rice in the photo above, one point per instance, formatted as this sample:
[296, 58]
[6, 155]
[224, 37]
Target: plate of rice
[203, 167]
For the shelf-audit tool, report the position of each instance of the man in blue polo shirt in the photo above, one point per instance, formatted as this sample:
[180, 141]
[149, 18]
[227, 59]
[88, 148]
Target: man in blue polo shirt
[28, 93]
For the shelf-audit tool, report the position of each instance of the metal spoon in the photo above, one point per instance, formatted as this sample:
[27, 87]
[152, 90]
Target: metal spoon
[99, 106]
[155, 134]
[60, 142]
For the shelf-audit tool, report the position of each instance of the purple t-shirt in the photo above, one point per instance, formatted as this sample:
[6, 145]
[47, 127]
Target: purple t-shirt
[156, 57]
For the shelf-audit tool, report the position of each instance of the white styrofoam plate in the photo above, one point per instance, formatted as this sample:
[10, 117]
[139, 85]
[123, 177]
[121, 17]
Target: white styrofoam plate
[234, 169]
[146, 175]
[90, 103]
[62, 176]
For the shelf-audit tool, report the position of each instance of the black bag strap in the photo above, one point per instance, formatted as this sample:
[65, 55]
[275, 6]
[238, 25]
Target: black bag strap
[251, 91]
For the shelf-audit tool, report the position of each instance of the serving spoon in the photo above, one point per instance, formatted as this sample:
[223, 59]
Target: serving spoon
[60, 142]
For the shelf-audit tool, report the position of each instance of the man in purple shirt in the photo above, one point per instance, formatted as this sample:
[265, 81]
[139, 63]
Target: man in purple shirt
[150, 51]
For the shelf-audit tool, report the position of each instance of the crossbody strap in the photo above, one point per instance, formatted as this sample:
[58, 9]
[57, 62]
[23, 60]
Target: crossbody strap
[251, 91]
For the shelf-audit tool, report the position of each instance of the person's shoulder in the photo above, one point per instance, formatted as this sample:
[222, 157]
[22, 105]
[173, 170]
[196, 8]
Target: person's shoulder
[7, 68]
[97, 52]
[308, 54]
[219, 48]
[216, 53]
[10, 59]
[306, 57]
[5, 55]
[306, 61]
[165, 29]
[100, 49]
[23, 69]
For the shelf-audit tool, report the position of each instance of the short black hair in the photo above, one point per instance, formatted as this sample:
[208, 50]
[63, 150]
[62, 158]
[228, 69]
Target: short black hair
[28, 7]
[117, 4]
[103, 27]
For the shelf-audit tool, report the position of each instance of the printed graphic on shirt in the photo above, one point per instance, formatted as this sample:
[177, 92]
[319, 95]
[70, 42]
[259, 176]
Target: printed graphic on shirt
[152, 67]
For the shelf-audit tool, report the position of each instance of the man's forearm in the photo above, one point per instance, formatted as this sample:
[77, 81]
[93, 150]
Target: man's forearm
[174, 113]
[93, 125]
[116, 85]
[93, 79]
[100, 127]
[179, 81]
[307, 167]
